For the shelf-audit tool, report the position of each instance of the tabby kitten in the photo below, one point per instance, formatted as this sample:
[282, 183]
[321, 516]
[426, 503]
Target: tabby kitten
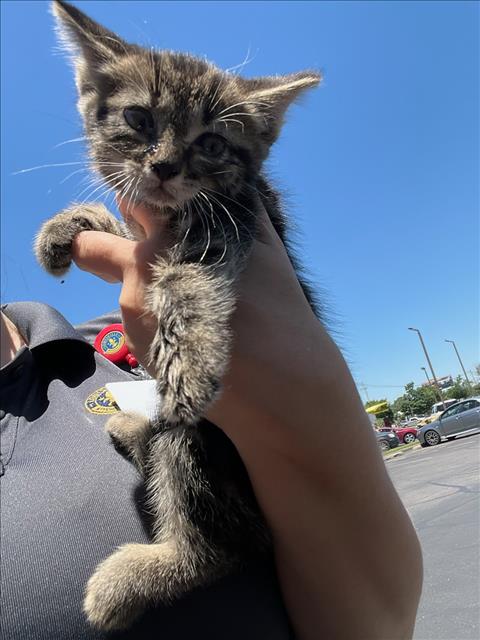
[189, 140]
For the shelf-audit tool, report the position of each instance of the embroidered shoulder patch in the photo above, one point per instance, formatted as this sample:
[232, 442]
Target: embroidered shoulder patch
[101, 401]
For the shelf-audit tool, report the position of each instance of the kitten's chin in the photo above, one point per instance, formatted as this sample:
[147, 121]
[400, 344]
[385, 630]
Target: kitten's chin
[160, 209]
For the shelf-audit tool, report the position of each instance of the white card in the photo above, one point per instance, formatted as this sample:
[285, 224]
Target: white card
[138, 395]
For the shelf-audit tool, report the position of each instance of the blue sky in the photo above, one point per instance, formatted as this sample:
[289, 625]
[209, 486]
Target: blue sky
[380, 164]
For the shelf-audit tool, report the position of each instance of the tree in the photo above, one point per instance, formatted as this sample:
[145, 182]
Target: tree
[415, 401]
[380, 415]
[460, 389]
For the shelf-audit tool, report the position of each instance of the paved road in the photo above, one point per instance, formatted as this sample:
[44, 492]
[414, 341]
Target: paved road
[440, 488]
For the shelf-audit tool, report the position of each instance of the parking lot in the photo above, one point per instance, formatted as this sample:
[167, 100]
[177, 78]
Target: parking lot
[440, 489]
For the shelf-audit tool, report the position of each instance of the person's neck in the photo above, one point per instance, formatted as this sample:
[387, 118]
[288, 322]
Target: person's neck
[11, 340]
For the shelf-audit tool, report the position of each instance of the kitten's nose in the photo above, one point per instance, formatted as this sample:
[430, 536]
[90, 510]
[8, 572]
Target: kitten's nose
[166, 170]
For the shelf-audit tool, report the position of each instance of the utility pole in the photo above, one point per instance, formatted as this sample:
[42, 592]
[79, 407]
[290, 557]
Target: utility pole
[461, 363]
[429, 364]
[426, 373]
[365, 390]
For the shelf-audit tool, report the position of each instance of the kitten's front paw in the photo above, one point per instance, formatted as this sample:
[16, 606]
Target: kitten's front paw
[131, 579]
[53, 243]
[130, 433]
[112, 600]
[191, 347]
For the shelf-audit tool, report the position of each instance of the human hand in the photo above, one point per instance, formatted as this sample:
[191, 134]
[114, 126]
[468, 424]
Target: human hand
[273, 326]
[289, 404]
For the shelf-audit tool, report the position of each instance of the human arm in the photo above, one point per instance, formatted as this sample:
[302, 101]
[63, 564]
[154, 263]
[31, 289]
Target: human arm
[290, 406]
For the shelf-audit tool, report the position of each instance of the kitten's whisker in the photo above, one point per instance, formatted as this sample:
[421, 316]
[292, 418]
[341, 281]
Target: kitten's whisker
[242, 224]
[73, 173]
[201, 217]
[247, 102]
[125, 189]
[185, 213]
[223, 195]
[228, 214]
[101, 183]
[131, 188]
[136, 189]
[200, 193]
[257, 190]
[246, 61]
[93, 182]
[47, 166]
[212, 106]
[60, 144]
[220, 259]
[233, 120]
[199, 210]
[215, 215]
[243, 113]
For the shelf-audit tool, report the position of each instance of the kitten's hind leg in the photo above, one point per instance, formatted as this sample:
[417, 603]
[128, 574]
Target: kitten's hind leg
[131, 432]
[53, 243]
[134, 577]
[190, 350]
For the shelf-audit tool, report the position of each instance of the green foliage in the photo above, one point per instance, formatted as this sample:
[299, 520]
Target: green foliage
[415, 401]
[419, 400]
[388, 413]
[460, 389]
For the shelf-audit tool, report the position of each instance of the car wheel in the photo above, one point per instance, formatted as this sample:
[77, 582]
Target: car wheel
[384, 446]
[431, 438]
[408, 438]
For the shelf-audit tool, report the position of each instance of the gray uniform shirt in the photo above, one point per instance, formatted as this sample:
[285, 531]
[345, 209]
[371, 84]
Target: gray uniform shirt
[68, 499]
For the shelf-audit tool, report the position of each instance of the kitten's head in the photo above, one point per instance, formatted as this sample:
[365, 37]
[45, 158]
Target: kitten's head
[164, 126]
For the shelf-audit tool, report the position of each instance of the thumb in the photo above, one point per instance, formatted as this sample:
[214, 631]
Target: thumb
[103, 254]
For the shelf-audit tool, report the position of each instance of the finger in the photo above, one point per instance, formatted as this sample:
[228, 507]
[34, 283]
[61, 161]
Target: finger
[103, 254]
[152, 223]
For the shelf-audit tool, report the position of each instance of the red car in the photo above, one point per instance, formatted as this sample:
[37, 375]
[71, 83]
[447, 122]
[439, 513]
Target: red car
[404, 434]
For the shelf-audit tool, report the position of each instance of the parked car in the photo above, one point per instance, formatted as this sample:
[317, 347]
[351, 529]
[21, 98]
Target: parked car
[443, 405]
[387, 440]
[429, 419]
[459, 419]
[411, 422]
[404, 434]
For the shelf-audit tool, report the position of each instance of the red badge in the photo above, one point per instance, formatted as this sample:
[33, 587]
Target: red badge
[111, 343]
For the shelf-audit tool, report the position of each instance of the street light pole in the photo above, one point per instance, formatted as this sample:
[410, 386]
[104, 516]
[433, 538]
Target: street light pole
[460, 360]
[429, 363]
[426, 373]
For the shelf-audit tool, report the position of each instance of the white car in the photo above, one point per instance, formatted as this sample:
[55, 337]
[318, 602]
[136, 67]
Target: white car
[411, 422]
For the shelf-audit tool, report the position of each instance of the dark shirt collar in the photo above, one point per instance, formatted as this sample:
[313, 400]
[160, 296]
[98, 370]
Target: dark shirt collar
[38, 323]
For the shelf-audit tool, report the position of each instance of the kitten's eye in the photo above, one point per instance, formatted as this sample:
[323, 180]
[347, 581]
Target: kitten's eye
[139, 119]
[211, 144]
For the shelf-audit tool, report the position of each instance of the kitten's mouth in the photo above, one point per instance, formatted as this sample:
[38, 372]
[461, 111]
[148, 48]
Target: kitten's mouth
[163, 194]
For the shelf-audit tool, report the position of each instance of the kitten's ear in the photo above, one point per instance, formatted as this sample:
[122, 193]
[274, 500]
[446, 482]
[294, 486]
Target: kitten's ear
[89, 44]
[271, 97]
